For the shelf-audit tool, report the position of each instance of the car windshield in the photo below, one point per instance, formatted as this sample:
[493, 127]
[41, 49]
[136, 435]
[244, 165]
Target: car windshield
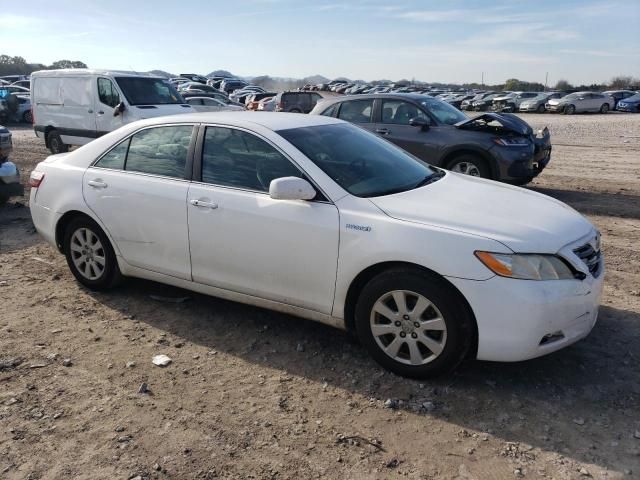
[444, 112]
[148, 91]
[633, 98]
[360, 162]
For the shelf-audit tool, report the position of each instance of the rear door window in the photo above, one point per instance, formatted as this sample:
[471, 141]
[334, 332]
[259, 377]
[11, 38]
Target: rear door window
[160, 151]
[356, 111]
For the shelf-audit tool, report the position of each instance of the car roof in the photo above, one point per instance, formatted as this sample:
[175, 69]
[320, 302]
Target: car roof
[76, 72]
[271, 120]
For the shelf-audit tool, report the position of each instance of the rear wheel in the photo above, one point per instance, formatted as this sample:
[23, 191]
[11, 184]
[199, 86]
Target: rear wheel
[604, 108]
[569, 110]
[27, 116]
[90, 255]
[413, 323]
[470, 165]
[295, 110]
[55, 143]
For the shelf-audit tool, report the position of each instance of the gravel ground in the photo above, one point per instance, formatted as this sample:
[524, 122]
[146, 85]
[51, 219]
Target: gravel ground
[256, 394]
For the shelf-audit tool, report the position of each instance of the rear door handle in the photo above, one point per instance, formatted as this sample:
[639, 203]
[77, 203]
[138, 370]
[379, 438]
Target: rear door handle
[383, 131]
[97, 184]
[201, 203]
[100, 112]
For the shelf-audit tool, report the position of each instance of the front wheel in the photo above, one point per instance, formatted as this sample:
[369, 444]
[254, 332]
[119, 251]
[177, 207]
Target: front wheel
[541, 109]
[604, 108]
[469, 165]
[413, 323]
[27, 117]
[569, 110]
[89, 254]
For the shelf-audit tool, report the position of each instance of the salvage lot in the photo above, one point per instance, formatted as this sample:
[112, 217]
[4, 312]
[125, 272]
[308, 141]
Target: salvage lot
[256, 394]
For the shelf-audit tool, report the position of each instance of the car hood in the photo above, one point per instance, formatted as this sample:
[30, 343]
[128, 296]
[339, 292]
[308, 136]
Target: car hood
[150, 111]
[508, 122]
[522, 220]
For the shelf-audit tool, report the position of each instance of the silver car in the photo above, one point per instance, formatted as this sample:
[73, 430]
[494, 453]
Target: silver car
[536, 104]
[511, 101]
[581, 102]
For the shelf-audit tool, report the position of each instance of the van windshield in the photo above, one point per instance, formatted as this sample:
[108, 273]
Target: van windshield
[148, 91]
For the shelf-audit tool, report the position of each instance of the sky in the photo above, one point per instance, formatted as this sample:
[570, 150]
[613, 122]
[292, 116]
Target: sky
[455, 41]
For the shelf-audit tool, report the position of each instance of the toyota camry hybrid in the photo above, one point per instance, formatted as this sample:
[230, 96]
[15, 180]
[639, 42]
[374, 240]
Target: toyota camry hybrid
[318, 218]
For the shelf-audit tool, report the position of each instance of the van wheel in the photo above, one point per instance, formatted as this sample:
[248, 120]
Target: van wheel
[469, 165]
[55, 143]
[413, 323]
[90, 255]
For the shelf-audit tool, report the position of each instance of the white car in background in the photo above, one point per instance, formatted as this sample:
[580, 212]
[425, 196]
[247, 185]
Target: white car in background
[315, 217]
[208, 104]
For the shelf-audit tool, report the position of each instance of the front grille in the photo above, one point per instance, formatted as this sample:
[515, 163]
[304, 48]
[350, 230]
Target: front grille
[592, 258]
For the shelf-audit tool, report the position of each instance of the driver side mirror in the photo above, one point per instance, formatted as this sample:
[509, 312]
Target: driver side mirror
[119, 109]
[423, 123]
[291, 188]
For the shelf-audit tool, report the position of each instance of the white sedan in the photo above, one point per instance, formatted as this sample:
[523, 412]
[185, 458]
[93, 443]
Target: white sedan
[208, 104]
[318, 218]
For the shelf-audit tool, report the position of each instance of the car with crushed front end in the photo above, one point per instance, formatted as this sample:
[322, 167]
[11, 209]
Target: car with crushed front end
[499, 146]
[318, 218]
[536, 104]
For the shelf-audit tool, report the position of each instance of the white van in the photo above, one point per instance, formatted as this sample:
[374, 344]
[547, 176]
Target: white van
[74, 106]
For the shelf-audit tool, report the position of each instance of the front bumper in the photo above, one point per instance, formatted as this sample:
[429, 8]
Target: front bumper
[528, 108]
[628, 107]
[554, 108]
[523, 319]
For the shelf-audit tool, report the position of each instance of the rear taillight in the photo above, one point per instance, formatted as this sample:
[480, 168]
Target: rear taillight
[36, 179]
[280, 106]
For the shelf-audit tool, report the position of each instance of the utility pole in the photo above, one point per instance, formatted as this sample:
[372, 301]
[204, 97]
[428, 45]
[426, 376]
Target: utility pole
[546, 79]
[482, 79]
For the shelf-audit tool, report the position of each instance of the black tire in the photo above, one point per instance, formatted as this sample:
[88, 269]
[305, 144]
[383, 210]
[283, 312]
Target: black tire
[55, 143]
[460, 331]
[111, 275]
[569, 110]
[479, 163]
[541, 109]
[604, 108]
[27, 117]
[295, 110]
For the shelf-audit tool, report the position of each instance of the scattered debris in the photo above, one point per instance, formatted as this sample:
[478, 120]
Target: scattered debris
[390, 403]
[578, 421]
[67, 362]
[584, 472]
[42, 260]
[8, 364]
[144, 388]
[38, 365]
[636, 434]
[130, 364]
[119, 428]
[393, 463]
[356, 439]
[161, 360]
[428, 406]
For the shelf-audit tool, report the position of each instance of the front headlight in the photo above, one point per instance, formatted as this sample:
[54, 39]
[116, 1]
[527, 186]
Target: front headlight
[526, 266]
[511, 141]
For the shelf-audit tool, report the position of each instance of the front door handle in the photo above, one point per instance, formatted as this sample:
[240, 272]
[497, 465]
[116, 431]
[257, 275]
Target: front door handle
[201, 203]
[97, 184]
[383, 131]
[100, 112]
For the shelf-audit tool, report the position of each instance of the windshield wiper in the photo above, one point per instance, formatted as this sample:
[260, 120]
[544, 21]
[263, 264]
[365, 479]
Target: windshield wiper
[430, 179]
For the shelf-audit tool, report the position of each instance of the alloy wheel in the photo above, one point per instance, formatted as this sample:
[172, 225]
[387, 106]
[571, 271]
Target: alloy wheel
[88, 254]
[408, 327]
[466, 168]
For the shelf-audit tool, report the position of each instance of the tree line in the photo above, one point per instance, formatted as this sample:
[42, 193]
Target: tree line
[19, 66]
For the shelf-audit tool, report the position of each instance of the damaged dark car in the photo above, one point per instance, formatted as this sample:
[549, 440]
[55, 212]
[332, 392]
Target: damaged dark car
[498, 146]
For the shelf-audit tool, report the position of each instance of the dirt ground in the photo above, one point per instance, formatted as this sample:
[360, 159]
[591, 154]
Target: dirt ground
[256, 394]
